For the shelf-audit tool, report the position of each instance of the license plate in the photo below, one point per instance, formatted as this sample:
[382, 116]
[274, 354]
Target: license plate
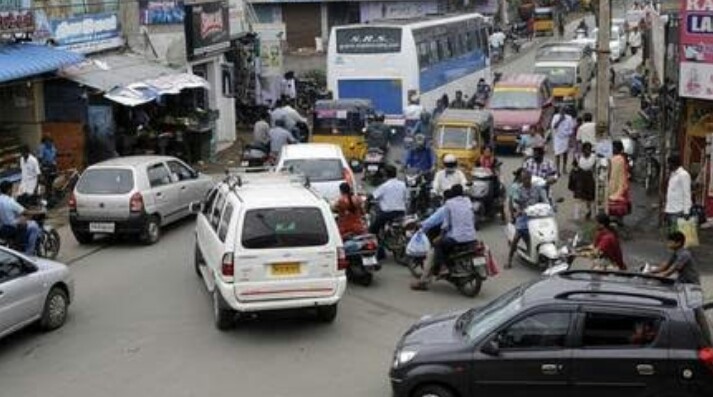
[101, 227]
[369, 261]
[372, 168]
[285, 269]
[480, 261]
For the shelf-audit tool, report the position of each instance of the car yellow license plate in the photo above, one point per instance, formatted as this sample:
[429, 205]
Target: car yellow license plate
[285, 269]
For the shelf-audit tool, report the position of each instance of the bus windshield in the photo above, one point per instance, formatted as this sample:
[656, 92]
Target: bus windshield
[559, 76]
[368, 40]
[514, 99]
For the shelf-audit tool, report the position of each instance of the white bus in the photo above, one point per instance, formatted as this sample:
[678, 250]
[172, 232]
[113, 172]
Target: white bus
[388, 61]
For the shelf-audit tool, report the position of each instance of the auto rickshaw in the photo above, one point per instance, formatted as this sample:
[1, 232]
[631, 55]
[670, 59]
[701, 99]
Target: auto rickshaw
[341, 122]
[544, 20]
[462, 132]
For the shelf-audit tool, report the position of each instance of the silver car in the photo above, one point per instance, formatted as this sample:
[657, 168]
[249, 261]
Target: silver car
[32, 290]
[134, 195]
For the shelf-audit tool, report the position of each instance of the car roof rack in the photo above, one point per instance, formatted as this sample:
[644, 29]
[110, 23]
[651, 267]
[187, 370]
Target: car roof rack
[663, 300]
[237, 177]
[614, 276]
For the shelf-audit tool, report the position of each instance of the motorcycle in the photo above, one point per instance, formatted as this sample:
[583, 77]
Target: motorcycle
[543, 235]
[514, 42]
[360, 251]
[466, 268]
[48, 240]
[567, 254]
[419, 192]
[374, 162]
[255, 154]
[487, 193]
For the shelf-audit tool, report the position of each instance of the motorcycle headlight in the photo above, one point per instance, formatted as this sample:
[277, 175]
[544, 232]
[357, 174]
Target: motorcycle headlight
[404, 356]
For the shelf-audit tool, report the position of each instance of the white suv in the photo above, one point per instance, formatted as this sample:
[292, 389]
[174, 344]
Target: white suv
[264, 241]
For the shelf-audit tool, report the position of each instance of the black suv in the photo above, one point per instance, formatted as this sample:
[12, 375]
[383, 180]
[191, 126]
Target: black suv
[580, 333]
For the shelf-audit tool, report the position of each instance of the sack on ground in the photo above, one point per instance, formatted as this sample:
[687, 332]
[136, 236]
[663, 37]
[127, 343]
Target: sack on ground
[689, 228]
[419, 245]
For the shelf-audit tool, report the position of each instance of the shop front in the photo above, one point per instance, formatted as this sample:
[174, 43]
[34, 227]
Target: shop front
[696, 150]
[207, 33]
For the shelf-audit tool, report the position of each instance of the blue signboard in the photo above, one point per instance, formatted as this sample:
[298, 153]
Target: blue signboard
[87, 33]
[161, 12]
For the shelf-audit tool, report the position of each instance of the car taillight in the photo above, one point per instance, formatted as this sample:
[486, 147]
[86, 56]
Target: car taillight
[706, 357]
[342, 262]
[371, 245]
[348, 177]
[72, 203]
[136, 203]
[227, 266]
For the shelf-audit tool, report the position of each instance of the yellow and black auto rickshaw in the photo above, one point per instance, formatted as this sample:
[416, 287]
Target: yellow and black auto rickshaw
[544, 20]
[342, 122]
[462, 133]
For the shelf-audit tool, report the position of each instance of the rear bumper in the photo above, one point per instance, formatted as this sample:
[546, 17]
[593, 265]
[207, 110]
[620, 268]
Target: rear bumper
[227, 290]
[134, 224]
[506, 138]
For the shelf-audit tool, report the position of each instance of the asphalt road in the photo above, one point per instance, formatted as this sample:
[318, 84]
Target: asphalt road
[141, 325]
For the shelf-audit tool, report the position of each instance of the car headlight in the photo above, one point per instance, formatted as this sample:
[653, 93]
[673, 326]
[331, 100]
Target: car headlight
[403, 357]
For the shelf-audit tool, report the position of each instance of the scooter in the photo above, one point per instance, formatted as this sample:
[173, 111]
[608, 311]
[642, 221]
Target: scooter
[543, 235]
[374, 162]
[487, 193]
[567, 254]
[360, 251]
[465, 268]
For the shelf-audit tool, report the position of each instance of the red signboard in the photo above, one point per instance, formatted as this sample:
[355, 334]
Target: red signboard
[16, 22]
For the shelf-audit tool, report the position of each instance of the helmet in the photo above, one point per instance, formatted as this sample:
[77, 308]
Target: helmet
[450, 161]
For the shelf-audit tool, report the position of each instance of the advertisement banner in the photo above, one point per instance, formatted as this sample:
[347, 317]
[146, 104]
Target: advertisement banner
[20, 21]
[395, 10]
[161, 12]
[696, 40]
[207, 29]
[87, 33]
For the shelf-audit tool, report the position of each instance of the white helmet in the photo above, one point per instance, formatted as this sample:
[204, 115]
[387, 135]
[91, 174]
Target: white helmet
[450, 161]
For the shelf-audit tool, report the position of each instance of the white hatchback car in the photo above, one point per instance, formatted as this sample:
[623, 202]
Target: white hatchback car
[323, 163]
[264, 242]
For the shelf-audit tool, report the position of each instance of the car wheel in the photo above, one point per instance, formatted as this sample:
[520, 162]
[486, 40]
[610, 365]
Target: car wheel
[152, 231]
[224, 317]
[433, 391]
[327, 314]
[82, 237]
[54, 313]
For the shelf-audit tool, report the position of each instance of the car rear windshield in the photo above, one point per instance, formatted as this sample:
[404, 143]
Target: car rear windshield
[106, 181]
[317, 170]
[284, 228]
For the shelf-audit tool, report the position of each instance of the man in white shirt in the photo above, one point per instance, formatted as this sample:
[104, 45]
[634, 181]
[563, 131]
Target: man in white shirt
[678, 192]
[284, 111]
[587, 132]
[634, 40]
[392, 199]
[449, 176]
[562, 129]
[30, 172]
[288, 86]
[412, 113]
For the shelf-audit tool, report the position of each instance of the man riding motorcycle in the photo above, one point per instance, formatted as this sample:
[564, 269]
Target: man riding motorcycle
[449, 176]
[14, 225]
[457, 225]
[482, 93]
[377, 133]
[421, 157]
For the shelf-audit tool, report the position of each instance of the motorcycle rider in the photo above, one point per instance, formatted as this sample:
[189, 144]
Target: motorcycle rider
[377, 133]
[14, 224]
[261, 131]
[482, 93]
[527, 194]
[424, 126]
[421, 157]
[459, 102]
[350, 212]
[412, 112]
[449, 176]
[541, 167]
[457, 227]
[279, 137]
[392, 198]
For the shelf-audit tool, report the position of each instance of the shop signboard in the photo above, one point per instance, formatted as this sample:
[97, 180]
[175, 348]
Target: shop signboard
[396, 10]
[161, 12]
[87, 33]
[696, 46]
[207, 29]
[16, 21]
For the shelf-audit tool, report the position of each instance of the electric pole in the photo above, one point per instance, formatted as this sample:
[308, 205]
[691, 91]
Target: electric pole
[602, 99]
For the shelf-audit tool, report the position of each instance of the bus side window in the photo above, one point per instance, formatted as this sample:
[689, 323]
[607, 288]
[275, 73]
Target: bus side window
[434, 52]
[423, 56]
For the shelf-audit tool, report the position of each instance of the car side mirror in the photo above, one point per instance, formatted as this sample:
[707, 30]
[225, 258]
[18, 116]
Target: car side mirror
[196, 207]
[491, 348]
[28, 267]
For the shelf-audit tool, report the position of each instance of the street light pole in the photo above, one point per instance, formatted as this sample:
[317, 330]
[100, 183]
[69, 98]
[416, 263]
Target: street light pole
[602, 100]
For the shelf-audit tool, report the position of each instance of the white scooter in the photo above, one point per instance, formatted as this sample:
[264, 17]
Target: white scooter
[543, 234]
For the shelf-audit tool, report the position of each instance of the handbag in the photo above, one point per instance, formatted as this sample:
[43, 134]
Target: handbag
[689, 228]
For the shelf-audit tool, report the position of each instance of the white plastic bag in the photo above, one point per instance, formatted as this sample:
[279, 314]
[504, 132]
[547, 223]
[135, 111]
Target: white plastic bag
[418, 246]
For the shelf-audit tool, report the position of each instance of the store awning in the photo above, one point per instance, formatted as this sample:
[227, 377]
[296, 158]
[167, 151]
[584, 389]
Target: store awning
[131, 79]
[22, 60]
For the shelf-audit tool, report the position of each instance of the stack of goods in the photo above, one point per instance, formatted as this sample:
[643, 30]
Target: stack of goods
[9, 157]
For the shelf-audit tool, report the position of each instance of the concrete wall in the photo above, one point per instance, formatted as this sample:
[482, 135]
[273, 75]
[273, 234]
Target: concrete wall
[22, 111]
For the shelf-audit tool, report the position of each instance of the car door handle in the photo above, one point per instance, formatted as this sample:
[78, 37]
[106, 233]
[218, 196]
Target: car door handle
[551, 369]
[645, 369]
[183, 187]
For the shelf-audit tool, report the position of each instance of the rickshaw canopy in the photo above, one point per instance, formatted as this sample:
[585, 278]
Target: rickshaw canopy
[342, 116]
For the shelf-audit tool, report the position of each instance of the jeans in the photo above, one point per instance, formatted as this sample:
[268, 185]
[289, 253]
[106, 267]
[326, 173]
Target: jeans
[25, 235]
